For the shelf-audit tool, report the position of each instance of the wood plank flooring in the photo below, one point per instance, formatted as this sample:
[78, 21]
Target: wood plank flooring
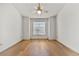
[39, 48]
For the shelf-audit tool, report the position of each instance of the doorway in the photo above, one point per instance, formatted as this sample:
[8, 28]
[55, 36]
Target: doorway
[39, 28]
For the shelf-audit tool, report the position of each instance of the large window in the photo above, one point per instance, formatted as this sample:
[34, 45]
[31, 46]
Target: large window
[39, 28]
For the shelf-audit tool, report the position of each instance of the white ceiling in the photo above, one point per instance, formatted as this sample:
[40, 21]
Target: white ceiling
[28, 9]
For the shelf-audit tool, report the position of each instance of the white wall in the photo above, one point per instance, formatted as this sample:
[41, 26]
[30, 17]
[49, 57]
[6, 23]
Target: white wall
[68, 26]
[26, 28]
[10, 26]
[52, 27]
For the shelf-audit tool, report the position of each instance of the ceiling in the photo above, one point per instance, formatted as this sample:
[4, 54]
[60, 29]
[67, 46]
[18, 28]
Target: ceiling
[29, 9]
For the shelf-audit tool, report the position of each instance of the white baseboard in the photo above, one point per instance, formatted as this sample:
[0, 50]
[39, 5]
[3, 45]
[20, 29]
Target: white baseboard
[10, 45]
[73, 49]
[39, 38]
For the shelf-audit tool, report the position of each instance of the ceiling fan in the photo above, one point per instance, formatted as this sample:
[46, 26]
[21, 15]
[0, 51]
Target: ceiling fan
[40, 10]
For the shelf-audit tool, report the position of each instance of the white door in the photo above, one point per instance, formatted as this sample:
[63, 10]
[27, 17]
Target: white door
[39, 28]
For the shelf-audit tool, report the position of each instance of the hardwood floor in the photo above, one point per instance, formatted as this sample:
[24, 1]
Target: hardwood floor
[38, 48]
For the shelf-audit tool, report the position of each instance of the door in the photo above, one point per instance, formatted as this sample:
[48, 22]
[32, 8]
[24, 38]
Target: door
[39, 28]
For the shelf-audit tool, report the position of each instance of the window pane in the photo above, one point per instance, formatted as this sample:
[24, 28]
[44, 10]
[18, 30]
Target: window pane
[38, 28]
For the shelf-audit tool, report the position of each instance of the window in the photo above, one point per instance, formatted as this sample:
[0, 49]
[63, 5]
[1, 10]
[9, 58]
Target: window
[39, 28]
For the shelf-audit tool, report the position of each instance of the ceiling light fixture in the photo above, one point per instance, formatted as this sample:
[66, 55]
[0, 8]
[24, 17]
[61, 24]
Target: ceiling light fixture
[39, 9]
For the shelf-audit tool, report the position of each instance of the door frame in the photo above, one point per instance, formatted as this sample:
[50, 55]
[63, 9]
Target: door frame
[31, 27]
